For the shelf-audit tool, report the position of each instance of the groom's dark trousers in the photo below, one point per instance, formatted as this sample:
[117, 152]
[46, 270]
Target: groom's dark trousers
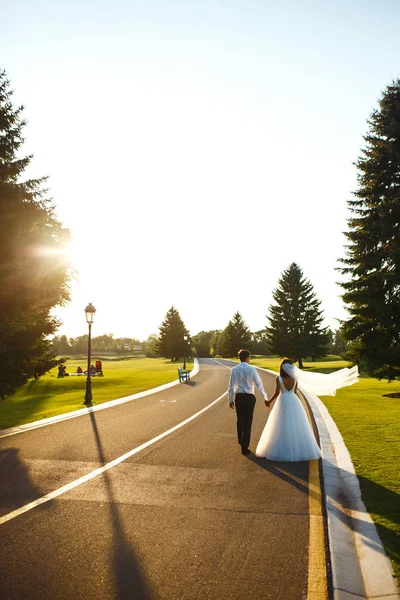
[244, 404]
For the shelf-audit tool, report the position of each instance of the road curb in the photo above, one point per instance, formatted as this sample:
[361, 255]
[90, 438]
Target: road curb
[360, 567]
[84, 411]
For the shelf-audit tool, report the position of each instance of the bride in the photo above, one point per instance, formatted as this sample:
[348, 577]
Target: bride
[288, 435]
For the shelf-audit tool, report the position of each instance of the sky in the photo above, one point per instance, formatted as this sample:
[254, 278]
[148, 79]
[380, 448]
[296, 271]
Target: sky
[197, 148]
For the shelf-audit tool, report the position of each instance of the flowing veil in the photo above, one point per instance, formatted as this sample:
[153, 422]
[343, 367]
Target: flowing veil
[322, 384]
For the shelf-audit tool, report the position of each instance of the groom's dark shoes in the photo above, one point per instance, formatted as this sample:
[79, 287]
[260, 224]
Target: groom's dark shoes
[246, 450]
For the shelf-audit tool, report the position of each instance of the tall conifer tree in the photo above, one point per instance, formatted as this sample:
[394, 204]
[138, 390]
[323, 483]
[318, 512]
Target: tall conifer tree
[295, 321]
[33, 270]
[171, 343]
[236, 336]
[372, 261]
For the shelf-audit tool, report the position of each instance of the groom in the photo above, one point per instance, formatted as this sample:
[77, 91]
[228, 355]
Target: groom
[242, 381]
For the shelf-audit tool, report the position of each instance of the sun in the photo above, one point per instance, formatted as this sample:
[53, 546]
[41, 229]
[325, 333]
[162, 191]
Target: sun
[76, 250]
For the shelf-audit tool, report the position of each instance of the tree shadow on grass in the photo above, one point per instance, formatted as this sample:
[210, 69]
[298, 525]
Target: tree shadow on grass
[23, 411]
[130, 581]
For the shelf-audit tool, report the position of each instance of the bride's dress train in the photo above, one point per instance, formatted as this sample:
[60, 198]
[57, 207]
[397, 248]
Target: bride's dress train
[288, 435]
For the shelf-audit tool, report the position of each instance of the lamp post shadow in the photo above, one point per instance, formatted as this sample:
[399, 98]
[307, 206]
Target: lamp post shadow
[130, 581]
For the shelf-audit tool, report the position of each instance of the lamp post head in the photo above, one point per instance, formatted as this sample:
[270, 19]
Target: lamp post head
[89, 312]
[185, 337]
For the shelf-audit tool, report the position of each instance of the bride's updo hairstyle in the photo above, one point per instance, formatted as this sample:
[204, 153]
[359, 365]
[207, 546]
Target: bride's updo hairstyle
[286, 361]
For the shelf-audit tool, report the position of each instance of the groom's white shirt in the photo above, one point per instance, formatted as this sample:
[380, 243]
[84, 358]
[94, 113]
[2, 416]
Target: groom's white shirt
[242, 381]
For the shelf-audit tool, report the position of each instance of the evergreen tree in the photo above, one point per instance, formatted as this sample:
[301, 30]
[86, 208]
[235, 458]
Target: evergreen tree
[64, 347]
[171, 343]
[236, 336]
[295, 322]
[331, 341]
[372, 262]
[33, 271]
[150, 346]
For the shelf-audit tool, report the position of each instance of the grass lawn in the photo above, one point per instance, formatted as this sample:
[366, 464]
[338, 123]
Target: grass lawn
[50, 396]
[328, 364]
[369, 424]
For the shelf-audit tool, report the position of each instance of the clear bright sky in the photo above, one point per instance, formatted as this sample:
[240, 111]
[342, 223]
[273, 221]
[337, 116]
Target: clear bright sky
[196, 149]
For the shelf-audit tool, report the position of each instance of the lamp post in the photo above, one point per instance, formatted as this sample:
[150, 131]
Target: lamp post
[89, 311]
[185, 337]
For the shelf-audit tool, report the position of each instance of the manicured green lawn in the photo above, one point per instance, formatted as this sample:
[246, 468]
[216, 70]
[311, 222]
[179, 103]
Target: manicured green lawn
[50, 396]
[329, 363]
[370, 426]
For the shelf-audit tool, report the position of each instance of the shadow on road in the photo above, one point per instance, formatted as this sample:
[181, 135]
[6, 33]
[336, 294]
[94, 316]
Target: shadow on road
[294, 473]
[129, 580]
[382, 503]
[16, 485]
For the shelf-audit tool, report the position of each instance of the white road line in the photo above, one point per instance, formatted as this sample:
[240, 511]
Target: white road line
[100, 470]
[222, 364]
[275, 373]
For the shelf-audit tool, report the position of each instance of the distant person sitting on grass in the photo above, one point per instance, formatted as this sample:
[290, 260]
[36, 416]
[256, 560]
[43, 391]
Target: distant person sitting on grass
[62, 371]
[93, 370]
[99, 367]
[79, 371]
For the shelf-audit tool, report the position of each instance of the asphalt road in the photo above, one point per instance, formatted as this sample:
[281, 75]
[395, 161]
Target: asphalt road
[187, 518]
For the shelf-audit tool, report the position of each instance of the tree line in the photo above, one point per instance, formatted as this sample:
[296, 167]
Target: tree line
[35, 275]
[107, 343]
[294, 328]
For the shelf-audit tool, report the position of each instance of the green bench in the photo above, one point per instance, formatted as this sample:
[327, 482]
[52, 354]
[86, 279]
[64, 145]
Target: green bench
[183, 375]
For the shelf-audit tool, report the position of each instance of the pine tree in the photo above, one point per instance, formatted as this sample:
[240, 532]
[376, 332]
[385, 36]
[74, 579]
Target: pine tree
[63, 345]
[171, 343]
[372, 262]
[295, 322]
[236, 336]
[150, 346]
[33, 271]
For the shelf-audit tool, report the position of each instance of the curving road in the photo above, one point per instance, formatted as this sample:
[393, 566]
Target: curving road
[188, 517]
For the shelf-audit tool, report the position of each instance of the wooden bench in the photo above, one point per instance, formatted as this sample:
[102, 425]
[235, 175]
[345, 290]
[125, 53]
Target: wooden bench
[183, 375]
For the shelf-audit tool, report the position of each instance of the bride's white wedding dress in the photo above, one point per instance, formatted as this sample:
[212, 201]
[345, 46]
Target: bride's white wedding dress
[288, 435]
